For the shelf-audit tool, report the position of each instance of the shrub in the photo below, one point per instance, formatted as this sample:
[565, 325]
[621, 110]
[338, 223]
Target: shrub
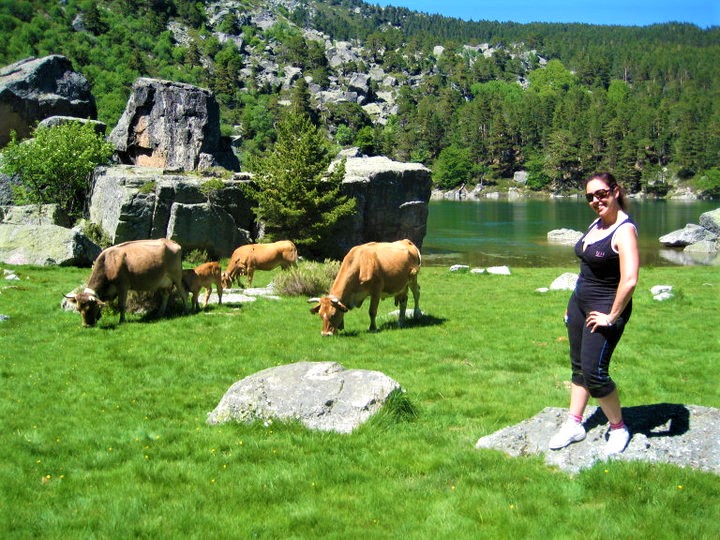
[211, 187]
[55, 165]
[96, 233]
[197, 256]
[307, 278]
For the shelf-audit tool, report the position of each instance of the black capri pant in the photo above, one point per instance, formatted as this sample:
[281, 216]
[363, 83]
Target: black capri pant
[590, 352]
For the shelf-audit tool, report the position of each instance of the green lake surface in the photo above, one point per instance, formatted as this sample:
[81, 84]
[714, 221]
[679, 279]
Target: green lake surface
[514, 233]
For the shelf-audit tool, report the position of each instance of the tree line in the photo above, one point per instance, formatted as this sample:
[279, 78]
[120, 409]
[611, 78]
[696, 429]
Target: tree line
[641, 101]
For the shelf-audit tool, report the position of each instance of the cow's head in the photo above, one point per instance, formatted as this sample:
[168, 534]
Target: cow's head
[89, 306]
[331, 311]
[226, 280]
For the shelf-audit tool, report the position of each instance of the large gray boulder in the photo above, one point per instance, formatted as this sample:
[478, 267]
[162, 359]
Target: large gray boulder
[172, 125]
[321, 395]
[689, 235]
[711, 221]
[45, 245]
[37, 88]
[133, 203]
[40, 235]
[392, 201]
[33, 214]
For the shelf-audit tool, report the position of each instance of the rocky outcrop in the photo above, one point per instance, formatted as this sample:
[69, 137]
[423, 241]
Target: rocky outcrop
[38, 235]
[683, 435]
[37, 88]
[33, 214]
[133, 203]
[392, 201]
[322, 396]
[700, 243]
[174, 126]
[689, 235]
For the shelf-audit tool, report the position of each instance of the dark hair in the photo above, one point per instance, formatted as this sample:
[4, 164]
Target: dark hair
[610, 181]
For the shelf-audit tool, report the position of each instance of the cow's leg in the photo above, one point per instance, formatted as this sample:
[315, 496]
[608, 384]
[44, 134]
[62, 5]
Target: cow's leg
[165, 293]
[401, 301]
[374, 302]
[219, 287]
[250, 273]
[415, 289]
[181, 291]
[122, 301]
[208, 290]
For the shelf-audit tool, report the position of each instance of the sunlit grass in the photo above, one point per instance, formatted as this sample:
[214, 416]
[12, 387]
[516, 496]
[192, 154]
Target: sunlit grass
[103, 430]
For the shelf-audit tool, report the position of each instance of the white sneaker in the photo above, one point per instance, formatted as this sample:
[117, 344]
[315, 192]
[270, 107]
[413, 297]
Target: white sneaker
[617, 441]
[569, 433]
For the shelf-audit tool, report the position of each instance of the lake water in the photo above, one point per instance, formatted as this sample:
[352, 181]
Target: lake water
[514, 233]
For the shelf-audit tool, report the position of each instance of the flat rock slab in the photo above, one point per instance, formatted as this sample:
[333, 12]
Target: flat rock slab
[321, 395]
[683, 435]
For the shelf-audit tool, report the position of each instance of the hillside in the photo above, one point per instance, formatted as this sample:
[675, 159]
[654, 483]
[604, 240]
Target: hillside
[476, 101]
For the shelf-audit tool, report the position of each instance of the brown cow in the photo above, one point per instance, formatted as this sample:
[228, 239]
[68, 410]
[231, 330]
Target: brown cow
[204, 275]
[250, 257]
[140, 265]
[377, 270]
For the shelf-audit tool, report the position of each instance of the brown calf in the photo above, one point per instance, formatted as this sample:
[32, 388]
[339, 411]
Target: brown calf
[205, 275]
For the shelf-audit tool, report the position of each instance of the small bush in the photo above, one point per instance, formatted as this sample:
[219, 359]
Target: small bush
[96, 233]
[148, 187]
[197, 256]
[211, 187]
[55, 165]
[307, 279]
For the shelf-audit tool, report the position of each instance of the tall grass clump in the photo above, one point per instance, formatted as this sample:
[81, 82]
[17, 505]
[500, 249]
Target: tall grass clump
[308, 278]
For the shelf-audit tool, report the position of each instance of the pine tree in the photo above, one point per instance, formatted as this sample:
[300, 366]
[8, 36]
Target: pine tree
[297, 198]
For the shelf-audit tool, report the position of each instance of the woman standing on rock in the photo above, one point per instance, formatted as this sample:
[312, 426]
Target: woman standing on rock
[599, 309]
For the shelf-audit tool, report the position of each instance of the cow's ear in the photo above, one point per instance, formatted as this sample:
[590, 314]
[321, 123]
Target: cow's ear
[71, 298]
[315, 309]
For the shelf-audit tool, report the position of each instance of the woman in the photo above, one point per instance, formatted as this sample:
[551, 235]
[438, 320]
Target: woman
[599, 309]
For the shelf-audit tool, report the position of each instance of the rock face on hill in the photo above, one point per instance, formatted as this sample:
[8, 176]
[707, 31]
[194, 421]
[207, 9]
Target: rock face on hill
[172, 125]
[37, 88]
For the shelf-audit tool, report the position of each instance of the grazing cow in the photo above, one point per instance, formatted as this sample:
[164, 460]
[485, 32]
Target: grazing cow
[140, 265]
[205, 275]
[250, 257]
[377, 270]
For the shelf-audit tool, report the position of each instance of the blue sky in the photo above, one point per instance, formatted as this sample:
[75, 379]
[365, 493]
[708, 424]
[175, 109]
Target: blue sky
[704, 13]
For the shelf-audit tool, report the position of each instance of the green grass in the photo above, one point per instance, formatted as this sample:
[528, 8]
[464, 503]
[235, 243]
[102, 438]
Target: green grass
[103, 431]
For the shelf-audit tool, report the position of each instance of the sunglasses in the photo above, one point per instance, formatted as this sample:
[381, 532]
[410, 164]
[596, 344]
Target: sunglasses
[599, 195]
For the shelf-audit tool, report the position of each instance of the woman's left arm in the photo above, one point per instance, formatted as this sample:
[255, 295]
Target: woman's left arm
[627, 246]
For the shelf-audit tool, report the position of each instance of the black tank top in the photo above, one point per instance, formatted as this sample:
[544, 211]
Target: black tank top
[599, 262]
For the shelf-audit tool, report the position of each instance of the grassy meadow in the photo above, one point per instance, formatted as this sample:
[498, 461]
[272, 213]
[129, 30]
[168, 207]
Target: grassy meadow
[103, 431]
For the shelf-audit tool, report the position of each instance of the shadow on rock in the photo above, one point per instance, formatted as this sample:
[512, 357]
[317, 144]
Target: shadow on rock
[658, 420]
[682, 435]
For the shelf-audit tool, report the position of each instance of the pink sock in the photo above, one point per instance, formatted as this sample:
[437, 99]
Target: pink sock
[619, 425]
[576, 417]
